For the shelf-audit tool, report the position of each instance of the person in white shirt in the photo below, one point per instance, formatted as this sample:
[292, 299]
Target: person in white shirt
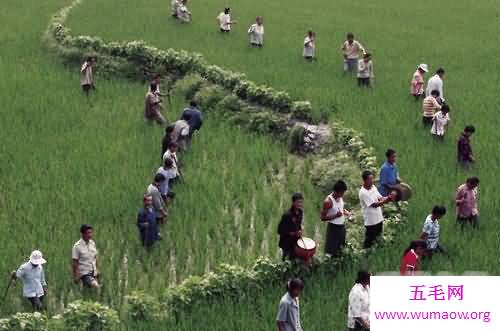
[256, 32]
[435, 83]
[171, 153]
[87, 76]
[183, 14]
[440, 121]
[224, 20]
[33, 277]
[174, 4]
[371, 204]
[365, 71]
[351, 49]
[358, 311]
[310, 46]
[334, 213]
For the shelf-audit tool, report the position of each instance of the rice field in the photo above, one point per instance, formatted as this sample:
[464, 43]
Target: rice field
[63, 162]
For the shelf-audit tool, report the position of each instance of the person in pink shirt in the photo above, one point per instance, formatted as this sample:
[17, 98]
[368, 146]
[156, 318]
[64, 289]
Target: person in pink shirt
[417, 82]
[466, 200]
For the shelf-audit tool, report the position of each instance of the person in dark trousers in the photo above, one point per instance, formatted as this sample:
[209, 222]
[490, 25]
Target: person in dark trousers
[193, 116]
[335, 214]
[465, 157]
[430, 232]
[33, 278]
[146, 222]
[168, 138]
[290, 228]
[467, 204]
[288, 318]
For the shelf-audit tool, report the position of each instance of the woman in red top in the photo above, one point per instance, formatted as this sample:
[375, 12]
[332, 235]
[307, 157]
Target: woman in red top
[410, 262]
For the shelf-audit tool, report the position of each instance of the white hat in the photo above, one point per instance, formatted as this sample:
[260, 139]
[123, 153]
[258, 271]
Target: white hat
[36, 257]
[424, 67]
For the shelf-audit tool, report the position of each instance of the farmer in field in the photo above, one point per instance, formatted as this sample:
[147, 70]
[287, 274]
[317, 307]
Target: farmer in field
[193, 116]
[334, 213]
[159, 206]
[365, 71]
[181, 131]
[87, 76]
[389, 173]
[224, 20]
[417, 82]
[290, 228]
[309, 52]
[358, 311]
[183, 13]
[174, 4]
[84, 256]
[465, 156]
[466, 201]
[440, 121]
[171, 154]
[146, 222]
[32, 276]
[168, 138]
[430, 231]
[152, 106]
[371, 204]
[435, 83]
[169, 172]
[156, 82]
[430, 106]
[410, 262]
[288, 318]
[351, 50]
[256, 32]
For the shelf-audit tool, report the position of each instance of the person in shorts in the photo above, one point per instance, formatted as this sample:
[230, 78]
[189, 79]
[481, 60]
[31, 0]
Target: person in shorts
[84, 256]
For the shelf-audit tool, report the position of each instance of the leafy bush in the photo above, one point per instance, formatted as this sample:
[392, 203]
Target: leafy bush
[141, 306]
[189, 85]
[302, 110]
[25, 321]
[296, 138]
[209, 96]
[89, 316]
[230, 103]
[266, 122]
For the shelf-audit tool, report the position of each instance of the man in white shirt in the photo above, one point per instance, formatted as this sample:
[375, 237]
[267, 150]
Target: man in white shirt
[435, 83]
[84, 256]
[358, 312]
[351, 49]
[225, 21]
[365, 71]
[33, 277]
[371, 204]
[310, 46]
[256, 32]
[334, 213]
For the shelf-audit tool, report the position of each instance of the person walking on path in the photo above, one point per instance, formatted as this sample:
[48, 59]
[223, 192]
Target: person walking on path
[417, 82]
[146, 222]
[358, 311]
[256, 32]
[435, 83]
[466, 201]
[465, 157]
[84, 256]
[365, 71]
[335, 214]
[288, 318]
[291, 226]
[32, 276]
[351, 50]
[87, 75]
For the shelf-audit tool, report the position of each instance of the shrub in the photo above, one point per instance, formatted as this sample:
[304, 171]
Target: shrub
[230, 103]
[302, 110]
[143, 307]
[209, 96]
[296, 138]
[189, 85]
[89, 316]
[266, 122]
[25, 321]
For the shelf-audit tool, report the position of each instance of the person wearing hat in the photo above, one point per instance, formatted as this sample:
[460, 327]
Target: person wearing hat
[84, 256]
[417, 82]
[33, 277]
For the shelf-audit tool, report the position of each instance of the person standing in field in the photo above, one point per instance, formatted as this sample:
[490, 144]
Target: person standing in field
[430, 231]
[365, 71]
[87, 75]
[358, 311]
[465, 156]
[156, 82]
[440, 121]
[146, 222]
[168, 138]
[84, 257]
[351, 49]
[389, 173]
[224, 20]
[194, 117]
[334, 213]
[371, 204]
[152, 106]
[309, 52]
[256, 32]
[435, 83]
[291, 226]
[183, 13]
[32, 276]
[288, 318]
[410, 262]
[158, 203]
[466, 201]
[417, 82]
[174, 4]
[171, 154]
[169, 172]
[181, 130]
[430, 106]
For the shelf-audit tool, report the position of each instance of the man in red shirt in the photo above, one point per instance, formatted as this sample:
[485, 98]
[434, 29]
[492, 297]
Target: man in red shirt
[410, 263]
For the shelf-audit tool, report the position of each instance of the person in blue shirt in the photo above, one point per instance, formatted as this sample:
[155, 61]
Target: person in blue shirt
[146, 222]
[389, 174]
[33, 278]
[193, 116]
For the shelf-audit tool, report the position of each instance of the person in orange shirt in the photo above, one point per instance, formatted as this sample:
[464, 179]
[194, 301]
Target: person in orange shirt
[410, 262]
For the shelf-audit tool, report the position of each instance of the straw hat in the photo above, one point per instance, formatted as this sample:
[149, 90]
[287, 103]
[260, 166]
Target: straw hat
[36, 258]
[424, 67]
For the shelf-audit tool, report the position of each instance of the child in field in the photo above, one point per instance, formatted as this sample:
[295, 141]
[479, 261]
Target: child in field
[351, 50]
[365, 71]
[440, 121]
[417, 82]
[224, 20]
[430, 231]
[310, 46]
[256, 32]
[429, 107]
[183, 14]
